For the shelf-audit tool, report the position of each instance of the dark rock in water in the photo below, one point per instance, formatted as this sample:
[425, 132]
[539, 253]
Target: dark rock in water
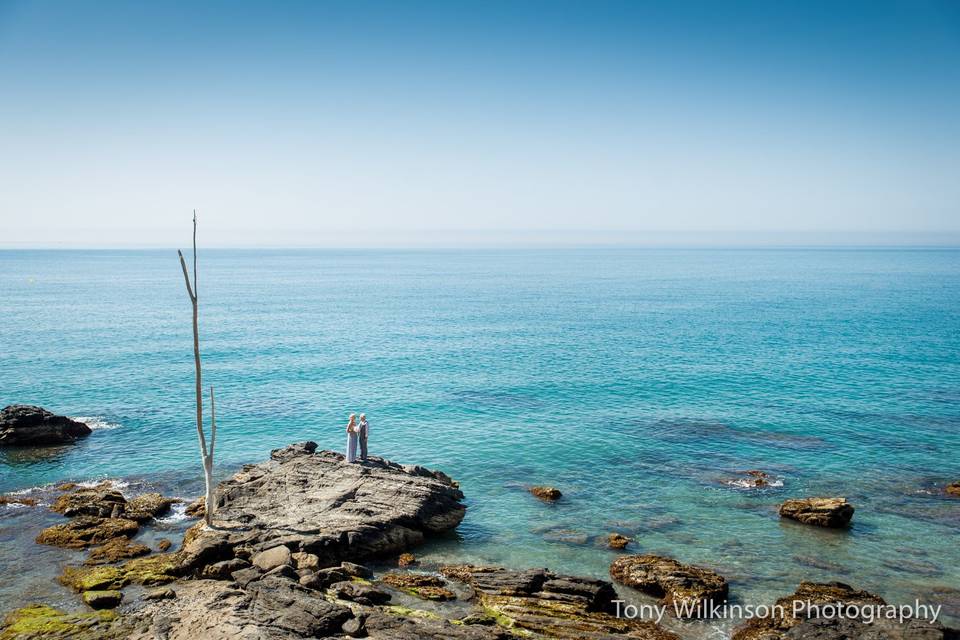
[313, 502]
[557, 606]
[677, 584]
[787, 626]
[822, 512]
[548, 494]
[115, 550]
[98, 501]
[953, 489]
[617, 541]
[359, 593]
[147, 506]
[86, 531]
[102, 599]
[26, 425]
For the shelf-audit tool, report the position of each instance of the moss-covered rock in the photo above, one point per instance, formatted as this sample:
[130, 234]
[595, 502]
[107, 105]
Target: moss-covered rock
[41, 622]
[116, 550]
[105, 578]
[149, 571]
[86, 531]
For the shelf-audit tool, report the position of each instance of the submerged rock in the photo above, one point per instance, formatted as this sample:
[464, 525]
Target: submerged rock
[822, 512]
[312, 502]
[27, 425]
[86, 531]
[548, 494]
[684, 586]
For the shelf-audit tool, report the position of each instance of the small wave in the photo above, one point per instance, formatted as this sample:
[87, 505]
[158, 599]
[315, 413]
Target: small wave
[177, 513]
[751, 483]
[97, 423]
[114, 484]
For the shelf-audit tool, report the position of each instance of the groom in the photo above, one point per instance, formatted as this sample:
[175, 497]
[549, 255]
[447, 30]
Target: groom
[364, 432]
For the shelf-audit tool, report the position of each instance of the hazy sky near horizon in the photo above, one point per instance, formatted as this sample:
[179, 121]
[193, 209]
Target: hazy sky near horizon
[356, 122]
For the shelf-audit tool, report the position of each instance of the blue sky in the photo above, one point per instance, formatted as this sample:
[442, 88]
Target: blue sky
[354, 123]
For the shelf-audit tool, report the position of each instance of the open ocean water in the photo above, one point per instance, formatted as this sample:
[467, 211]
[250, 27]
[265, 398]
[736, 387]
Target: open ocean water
[634, 380]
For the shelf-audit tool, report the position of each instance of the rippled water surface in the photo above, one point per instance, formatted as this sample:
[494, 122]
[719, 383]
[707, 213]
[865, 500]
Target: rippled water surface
[634, 380]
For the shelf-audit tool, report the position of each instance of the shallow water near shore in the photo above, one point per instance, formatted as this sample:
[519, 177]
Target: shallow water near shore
[633, 380]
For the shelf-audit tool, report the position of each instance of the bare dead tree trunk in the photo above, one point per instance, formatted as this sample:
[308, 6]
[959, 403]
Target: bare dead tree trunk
[206, 456]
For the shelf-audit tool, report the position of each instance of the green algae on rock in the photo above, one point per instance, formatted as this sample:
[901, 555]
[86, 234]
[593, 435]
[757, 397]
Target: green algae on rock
[40, 622]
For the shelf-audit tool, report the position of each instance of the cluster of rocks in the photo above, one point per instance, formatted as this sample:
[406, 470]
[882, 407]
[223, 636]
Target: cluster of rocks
[26, 425]
[280, 562]
[101, 515]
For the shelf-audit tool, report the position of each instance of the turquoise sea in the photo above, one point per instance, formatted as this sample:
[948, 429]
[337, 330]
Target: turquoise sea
[635, 380]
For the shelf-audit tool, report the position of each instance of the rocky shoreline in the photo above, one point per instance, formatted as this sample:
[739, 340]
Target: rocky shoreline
[281, 561]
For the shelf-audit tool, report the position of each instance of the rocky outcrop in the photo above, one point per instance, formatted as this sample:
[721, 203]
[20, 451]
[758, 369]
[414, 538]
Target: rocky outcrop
[822, 512]
[782, 627]
[86, 531]
[101, 501]
[689, 589]
[313, 502]
[547, 494]
[26, 425]
[146, 506]
[541, 602]
[406, 560]
[953, 489]
[104, 502]
[115, 550]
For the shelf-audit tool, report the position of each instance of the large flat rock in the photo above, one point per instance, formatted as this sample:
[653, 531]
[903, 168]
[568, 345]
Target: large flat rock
[314, 502]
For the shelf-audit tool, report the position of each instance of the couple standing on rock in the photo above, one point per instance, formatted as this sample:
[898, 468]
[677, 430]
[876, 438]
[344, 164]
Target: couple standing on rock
[357, 431]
